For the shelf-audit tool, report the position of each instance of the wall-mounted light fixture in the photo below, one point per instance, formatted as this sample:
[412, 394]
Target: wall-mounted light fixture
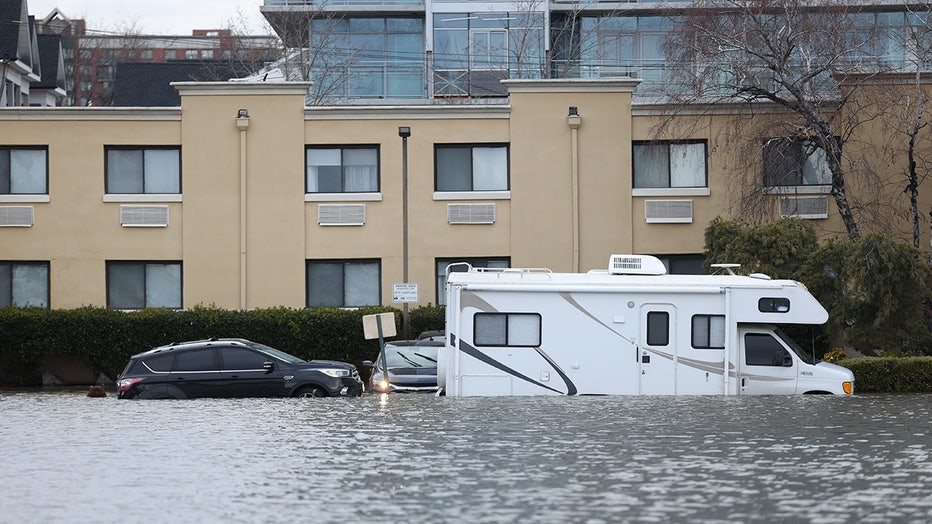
[404, 132]
[242, 113]
[573, 111]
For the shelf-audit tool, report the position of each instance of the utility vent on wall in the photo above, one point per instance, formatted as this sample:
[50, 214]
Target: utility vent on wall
[668, 211]
[17, 216]
[471, 213]
[804, 207]
[341, 214]
[143, 216]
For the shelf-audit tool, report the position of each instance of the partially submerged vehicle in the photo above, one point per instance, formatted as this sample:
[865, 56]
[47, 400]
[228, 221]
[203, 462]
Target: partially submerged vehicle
[630, 330]
[406, 366]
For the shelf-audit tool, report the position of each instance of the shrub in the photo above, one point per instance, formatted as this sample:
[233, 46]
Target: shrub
[890, 375]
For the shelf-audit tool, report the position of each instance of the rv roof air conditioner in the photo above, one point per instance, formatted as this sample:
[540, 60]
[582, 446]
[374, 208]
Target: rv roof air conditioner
[635, 265]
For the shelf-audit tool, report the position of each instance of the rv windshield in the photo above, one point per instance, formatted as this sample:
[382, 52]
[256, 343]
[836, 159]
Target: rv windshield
[800, 352]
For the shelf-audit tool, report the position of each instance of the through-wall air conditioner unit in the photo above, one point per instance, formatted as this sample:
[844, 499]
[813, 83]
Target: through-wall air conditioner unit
[668, 211]
[341, 214]
[17, 216]
[143, 216]
[477, 213]
[808, 207]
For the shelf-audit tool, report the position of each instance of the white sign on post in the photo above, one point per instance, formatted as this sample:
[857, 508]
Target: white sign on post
[404, 292]
[370, 325]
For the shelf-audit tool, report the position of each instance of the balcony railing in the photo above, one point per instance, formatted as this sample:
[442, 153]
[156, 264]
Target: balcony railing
[268, 3]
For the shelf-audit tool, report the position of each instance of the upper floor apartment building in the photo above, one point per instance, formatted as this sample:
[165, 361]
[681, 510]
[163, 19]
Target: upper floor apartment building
[456, 49]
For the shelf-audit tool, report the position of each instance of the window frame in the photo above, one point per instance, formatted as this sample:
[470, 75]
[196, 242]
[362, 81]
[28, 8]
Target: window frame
[667, 143]
[143, 149]
[508, 315]
[342, 148]
[34, 263]
[344, 261]
[440, 279]
[472, 179]
[10, 149]
[145, 264]
[799, 166]
[708, 321]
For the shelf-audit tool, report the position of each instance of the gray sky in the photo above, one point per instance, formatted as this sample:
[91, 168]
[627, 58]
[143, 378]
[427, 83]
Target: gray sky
[176, 17]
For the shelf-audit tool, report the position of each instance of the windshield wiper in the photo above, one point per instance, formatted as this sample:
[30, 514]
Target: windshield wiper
[408, 360]
[425, 357]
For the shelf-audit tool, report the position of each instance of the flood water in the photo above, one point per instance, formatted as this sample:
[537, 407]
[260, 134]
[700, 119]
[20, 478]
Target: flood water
[69, 458]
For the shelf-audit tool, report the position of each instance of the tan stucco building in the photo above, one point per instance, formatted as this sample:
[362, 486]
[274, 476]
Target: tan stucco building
[245, 198]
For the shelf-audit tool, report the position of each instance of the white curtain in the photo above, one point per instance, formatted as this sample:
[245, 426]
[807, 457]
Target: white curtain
[28, 171]
[687, 165]
[163, 285]
[490, 168]
[163, 171]
[360, 170]
[524, 330]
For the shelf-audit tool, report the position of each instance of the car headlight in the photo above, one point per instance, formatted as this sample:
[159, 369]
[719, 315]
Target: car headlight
[335, 372]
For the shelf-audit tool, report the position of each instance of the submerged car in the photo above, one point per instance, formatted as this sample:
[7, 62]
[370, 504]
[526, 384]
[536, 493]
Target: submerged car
[411, 365]
[230, 368]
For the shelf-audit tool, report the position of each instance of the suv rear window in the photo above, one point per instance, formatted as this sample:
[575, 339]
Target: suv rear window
[158, 363]
[197, 360]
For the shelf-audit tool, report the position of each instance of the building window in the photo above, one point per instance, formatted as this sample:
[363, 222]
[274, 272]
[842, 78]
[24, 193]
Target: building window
[507, 329]
[24, 171]
[24, 284]
[471, 168]
[794, 162]
[132, 170]
[708, 331]
[191, 54]
[669, 164]
[348, 169]
[343, 283]
[442, 263]
[146, 54]
[207, 54]
[138, 285]
[683, 264]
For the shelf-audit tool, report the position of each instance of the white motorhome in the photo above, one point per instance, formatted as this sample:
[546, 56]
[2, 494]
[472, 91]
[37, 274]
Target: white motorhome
[631, 330]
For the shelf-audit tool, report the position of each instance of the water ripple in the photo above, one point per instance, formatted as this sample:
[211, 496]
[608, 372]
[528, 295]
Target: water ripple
[828, 460]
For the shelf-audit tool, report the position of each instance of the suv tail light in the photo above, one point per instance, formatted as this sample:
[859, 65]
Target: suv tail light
[125, 383]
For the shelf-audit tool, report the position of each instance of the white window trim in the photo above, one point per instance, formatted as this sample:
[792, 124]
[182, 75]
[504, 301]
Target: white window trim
[798, 190]
[670, 191]
[343, 197]
[24, 198]
[472, 195]
[143, 197]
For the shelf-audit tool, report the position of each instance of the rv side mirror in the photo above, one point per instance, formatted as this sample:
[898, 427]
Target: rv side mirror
[268, 366]
[787, 361]
[368, 363]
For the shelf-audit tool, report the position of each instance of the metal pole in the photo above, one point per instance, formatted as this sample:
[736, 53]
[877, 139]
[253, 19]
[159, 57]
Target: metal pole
[404, 133]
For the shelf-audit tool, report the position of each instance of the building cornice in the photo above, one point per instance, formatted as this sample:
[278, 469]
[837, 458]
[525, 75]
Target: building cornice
[90, 113]
[572, 85]
[241, 88]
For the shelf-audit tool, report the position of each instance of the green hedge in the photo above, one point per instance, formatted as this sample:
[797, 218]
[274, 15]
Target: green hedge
[890, 375]
[104, 339]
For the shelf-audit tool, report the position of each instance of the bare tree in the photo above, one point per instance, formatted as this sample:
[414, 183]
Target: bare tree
[805, 58]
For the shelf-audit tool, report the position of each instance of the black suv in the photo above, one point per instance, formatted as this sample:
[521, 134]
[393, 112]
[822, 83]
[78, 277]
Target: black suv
[233, 367]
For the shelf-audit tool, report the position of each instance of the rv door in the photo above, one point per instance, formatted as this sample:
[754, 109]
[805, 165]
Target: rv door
[656, 354]
[767, 366]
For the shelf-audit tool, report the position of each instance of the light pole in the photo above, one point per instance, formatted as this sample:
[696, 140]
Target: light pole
[404, 133]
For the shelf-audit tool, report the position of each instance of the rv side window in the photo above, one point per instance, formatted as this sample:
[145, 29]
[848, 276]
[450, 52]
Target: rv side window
[764, 350]
[773, 305]
[507, 329]
[658, 328]
[708, 331]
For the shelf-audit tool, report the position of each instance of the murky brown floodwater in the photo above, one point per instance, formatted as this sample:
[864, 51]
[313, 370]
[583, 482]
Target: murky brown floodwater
[69, 458]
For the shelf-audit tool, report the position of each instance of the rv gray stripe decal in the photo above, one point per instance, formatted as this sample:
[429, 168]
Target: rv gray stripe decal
[570, 387]
[475, 353]
[711, 367]
[569, 298]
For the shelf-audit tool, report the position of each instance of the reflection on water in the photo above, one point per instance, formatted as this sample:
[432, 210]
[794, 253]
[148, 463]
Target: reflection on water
[69, 458]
